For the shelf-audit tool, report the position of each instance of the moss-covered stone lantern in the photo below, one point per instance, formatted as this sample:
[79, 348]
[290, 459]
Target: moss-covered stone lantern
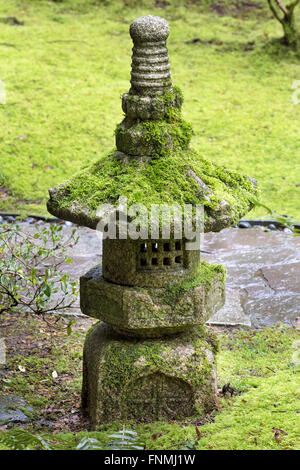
[151, 356]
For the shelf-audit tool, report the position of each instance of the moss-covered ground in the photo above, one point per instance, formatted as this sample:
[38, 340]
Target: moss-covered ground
[66, 67]
[261, 367]
[64, 70]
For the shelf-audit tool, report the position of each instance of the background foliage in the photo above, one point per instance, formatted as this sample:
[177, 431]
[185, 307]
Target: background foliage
[32, 280]
[66, 67]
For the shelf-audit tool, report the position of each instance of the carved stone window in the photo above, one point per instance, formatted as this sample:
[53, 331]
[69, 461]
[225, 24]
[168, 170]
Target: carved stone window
[160, 254]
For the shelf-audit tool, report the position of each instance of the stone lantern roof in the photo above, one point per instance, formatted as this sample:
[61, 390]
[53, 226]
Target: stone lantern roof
[153, 162]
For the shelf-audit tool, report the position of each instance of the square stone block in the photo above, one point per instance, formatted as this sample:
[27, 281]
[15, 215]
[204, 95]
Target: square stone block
[148, 263]
[148, 311]
[166, 378]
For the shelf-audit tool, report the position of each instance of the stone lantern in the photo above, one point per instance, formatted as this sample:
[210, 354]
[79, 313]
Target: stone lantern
[151, 356]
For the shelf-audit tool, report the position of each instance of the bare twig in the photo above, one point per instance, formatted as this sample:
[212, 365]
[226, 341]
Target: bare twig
[274, 11]
[282, 7]
[30, 272]
[291, 6]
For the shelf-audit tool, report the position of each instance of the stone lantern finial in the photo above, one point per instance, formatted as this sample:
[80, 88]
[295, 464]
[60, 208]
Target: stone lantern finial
[150, 72]
[151, 96]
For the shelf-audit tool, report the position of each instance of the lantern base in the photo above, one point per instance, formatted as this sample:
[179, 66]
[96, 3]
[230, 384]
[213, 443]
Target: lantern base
[167, 378]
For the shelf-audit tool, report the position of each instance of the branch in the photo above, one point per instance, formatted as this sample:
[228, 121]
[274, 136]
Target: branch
[274, 11]
[282, 7]
[14, 301]
[291, 6]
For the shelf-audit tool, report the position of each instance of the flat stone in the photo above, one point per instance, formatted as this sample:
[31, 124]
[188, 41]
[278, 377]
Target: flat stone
[147, 380]
[232, 313]
[148, 311]
[264, 268]
[10, 411]
[270, 310]
[283, 277]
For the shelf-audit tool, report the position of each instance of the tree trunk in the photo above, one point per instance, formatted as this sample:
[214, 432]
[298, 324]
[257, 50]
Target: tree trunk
[291, 36]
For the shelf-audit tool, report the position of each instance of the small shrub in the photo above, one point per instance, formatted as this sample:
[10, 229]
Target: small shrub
[31, 280]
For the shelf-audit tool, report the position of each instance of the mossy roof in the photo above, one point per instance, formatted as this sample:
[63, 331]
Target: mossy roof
[181, 177]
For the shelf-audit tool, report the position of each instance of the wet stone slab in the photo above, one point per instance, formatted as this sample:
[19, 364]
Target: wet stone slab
[12, 410]
[263, 272]
[232, 313]
[263, 276]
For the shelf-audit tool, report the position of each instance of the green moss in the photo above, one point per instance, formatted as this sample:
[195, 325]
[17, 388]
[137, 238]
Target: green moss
[206, 275]
[68, 114]
[160, 181]
[160, 134]
[160, 137]
[165, 178]
[120, 362]
[174, 96]
[259, 363]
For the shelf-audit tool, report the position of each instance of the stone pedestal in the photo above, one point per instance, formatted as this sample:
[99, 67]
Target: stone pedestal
[168, 378]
